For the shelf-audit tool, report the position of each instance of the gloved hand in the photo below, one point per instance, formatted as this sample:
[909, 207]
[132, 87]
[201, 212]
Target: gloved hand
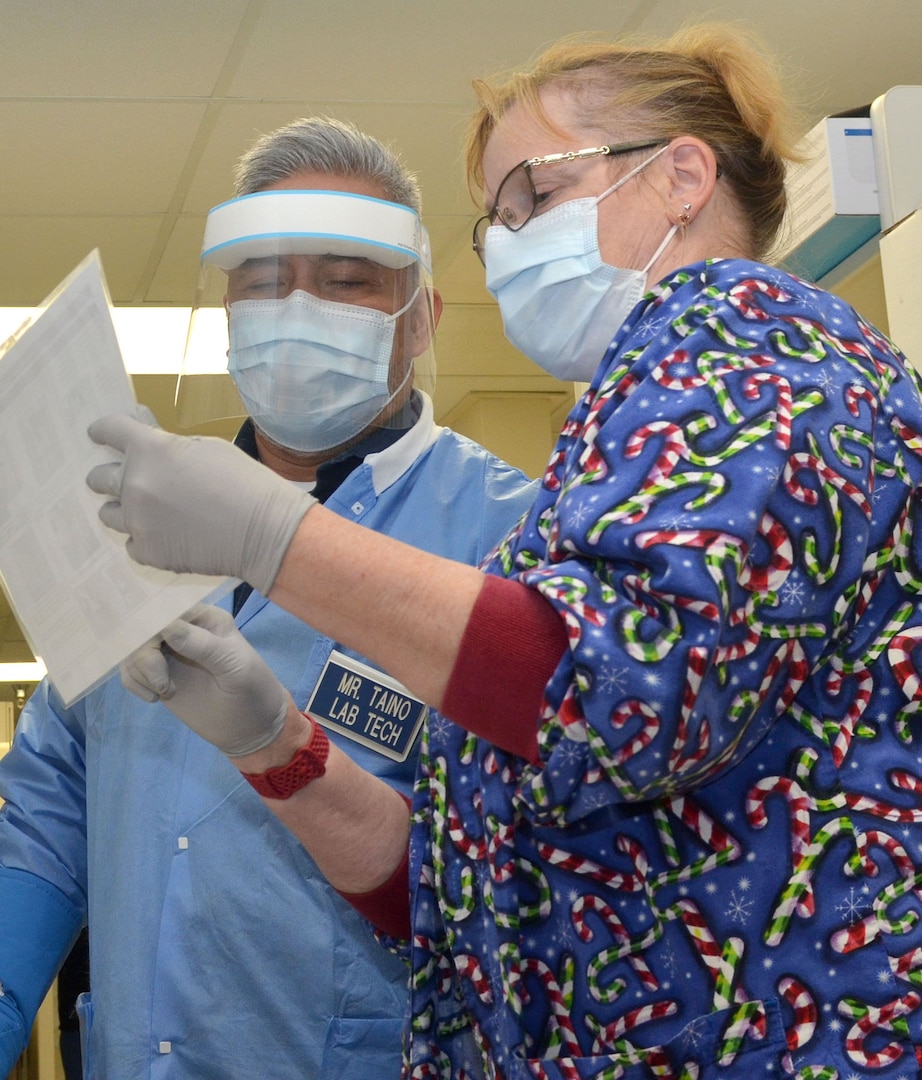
[206, 673]
[196, 505]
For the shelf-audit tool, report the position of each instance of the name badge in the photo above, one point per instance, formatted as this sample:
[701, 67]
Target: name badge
[367, 706]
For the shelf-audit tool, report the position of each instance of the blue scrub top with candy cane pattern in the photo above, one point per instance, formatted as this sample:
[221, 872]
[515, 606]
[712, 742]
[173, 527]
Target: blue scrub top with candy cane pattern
[716, 868]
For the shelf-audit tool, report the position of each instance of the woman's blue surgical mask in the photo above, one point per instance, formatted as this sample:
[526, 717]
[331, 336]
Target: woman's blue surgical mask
[312, 373]
[561, 304]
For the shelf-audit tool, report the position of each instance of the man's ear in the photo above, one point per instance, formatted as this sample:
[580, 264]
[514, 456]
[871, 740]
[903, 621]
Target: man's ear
[436, 297]
[691, 171]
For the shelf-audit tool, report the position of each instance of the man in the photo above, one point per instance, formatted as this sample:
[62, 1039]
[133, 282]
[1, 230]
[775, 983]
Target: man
[208, 960]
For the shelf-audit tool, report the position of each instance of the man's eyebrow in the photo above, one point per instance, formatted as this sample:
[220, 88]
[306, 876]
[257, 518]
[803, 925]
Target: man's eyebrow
[257, 263]
[332, 257]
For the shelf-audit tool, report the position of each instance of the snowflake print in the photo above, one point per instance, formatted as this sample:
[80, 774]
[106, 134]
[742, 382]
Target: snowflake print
[671, 963]
[648, 327]
[562, 931]
[568, 752]
[439, 729]
[827, 382]
[852, 907]
[612, 680]
[740, 907]
[792, 592]
[693, 1035]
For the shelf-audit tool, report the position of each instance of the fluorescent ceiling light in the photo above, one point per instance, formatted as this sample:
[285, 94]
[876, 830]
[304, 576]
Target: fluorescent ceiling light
[22, 673]
[153, 339]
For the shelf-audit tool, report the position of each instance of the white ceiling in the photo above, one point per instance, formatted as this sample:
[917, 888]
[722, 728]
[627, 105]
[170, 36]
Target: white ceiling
[120, 121]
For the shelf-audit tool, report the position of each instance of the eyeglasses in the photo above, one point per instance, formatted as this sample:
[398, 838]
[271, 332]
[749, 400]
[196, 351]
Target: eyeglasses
[516, 199]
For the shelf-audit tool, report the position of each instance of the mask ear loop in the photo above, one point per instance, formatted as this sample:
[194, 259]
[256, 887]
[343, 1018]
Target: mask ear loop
[406, 307]
[659, 251]
[683, 223]
[627, 176]
[623, 180]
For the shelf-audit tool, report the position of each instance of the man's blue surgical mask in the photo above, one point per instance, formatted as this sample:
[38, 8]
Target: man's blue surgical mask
[561, 304]
[312, 373]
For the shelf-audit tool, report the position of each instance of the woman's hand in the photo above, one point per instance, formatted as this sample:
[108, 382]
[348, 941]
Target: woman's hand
[208, 675]
[196, 505]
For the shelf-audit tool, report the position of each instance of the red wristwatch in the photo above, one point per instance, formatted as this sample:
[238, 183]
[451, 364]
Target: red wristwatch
[308, 764]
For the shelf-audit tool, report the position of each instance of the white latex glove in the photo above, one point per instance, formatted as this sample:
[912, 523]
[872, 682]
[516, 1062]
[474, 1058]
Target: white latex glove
[196, 505]
[207, 674]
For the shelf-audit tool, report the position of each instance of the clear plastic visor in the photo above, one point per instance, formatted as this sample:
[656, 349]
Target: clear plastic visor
[314, 315]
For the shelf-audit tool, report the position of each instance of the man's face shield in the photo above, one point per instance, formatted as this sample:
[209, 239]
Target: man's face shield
[329, 311]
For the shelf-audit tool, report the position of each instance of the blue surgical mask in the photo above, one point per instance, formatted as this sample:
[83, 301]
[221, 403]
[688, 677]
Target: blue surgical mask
[561, 304]
[312, 373]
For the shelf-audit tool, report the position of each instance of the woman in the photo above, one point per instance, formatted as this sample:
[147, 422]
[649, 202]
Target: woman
[673, 826]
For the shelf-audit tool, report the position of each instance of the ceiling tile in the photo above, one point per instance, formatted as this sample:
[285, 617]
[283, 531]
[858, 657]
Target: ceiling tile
[59, 243]
[418, 50]
[94, 157]
[175, 277]
[116, 48]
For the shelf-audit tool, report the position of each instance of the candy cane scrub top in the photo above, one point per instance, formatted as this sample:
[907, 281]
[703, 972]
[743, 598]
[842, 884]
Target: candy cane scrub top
[711, 865]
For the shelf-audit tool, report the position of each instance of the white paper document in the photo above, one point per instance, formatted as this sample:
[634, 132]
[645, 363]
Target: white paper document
[82, 602]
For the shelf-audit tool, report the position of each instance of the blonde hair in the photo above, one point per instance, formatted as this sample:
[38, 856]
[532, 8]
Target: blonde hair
[712, 81]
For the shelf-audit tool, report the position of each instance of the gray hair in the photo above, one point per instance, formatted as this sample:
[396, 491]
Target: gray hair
[323, 145]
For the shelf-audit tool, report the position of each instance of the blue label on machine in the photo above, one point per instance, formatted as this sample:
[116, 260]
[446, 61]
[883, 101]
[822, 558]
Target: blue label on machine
[367, 706]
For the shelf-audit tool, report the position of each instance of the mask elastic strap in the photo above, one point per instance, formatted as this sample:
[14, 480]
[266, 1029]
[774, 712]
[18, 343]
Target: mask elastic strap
[659, 251]
[406, 307]
[627, 176]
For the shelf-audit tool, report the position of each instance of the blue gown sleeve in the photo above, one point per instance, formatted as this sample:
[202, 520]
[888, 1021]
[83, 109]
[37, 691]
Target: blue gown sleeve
[37, 929]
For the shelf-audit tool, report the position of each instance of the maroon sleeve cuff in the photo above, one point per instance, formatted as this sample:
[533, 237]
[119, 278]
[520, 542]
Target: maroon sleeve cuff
[388, 906]
[511, 646]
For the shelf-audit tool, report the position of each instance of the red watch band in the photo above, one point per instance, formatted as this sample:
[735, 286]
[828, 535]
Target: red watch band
[308, 763]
